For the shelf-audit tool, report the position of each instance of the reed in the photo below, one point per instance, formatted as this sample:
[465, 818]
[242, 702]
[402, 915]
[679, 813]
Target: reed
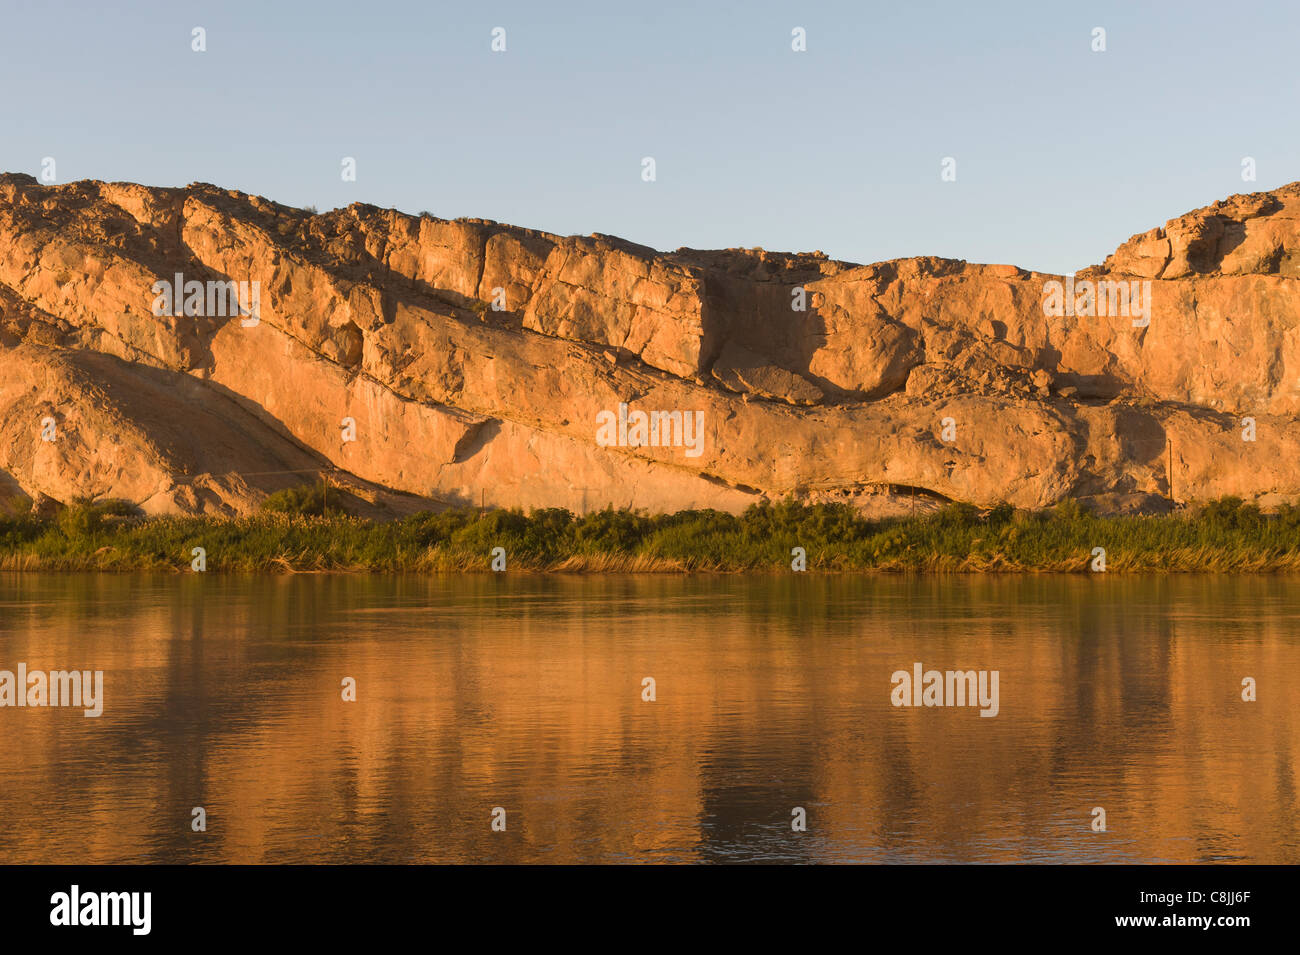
[296, 534]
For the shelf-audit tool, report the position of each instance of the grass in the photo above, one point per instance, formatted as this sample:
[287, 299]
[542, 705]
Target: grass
[297, 532]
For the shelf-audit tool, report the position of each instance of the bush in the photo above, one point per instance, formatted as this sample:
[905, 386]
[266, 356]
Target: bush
[1001, 513]
[1230, 513]
[1288, 517]
[80, 520]
[79, 523]
[305, 500]
[610, 530]
[958, 514]
[1070, 511]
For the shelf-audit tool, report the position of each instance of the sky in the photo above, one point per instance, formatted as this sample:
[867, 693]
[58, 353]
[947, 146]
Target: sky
[1061, 152]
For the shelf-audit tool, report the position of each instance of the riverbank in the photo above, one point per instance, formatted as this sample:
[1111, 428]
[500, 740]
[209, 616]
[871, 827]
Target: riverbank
[1221, 536]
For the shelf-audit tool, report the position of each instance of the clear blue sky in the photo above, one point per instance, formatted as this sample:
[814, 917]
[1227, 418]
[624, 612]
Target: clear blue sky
[1061, 153]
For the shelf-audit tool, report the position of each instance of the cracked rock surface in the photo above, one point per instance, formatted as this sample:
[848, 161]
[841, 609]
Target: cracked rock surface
[473, 358]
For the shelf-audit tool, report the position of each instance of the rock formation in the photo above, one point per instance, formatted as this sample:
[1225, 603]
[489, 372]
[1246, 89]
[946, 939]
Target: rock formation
[471, 362]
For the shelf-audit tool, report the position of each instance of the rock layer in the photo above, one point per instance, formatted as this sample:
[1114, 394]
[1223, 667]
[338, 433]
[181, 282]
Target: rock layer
[472, 362]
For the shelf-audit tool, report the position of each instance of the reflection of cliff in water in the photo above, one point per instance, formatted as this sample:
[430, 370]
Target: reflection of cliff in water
[772, 693]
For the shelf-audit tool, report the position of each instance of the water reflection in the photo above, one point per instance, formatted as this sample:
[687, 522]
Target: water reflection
[524, 692]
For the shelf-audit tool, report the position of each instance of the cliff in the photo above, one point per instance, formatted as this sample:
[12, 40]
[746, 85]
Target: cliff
[419, 361]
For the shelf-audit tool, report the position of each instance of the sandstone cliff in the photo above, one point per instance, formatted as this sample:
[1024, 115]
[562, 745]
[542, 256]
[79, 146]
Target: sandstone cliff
[474, 360]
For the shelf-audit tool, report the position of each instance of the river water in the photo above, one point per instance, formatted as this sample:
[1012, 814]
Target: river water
[521, 698]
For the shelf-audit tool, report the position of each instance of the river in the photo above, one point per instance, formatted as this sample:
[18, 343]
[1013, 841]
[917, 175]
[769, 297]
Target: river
[505, 718]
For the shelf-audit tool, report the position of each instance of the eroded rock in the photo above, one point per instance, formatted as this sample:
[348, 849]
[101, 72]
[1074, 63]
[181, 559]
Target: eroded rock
[473, 358]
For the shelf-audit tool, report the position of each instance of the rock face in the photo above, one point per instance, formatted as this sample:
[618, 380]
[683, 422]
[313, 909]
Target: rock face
[416, 361]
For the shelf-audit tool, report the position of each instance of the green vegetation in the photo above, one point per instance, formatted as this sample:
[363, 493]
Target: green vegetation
[303, 530]
[306, 500]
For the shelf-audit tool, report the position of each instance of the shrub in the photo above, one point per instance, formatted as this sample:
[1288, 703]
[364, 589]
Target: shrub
[1230, 513]
[1001, 513]
[957, 514]
[80, 520]
[610, 530]
[304, 500]
[1069, 511]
